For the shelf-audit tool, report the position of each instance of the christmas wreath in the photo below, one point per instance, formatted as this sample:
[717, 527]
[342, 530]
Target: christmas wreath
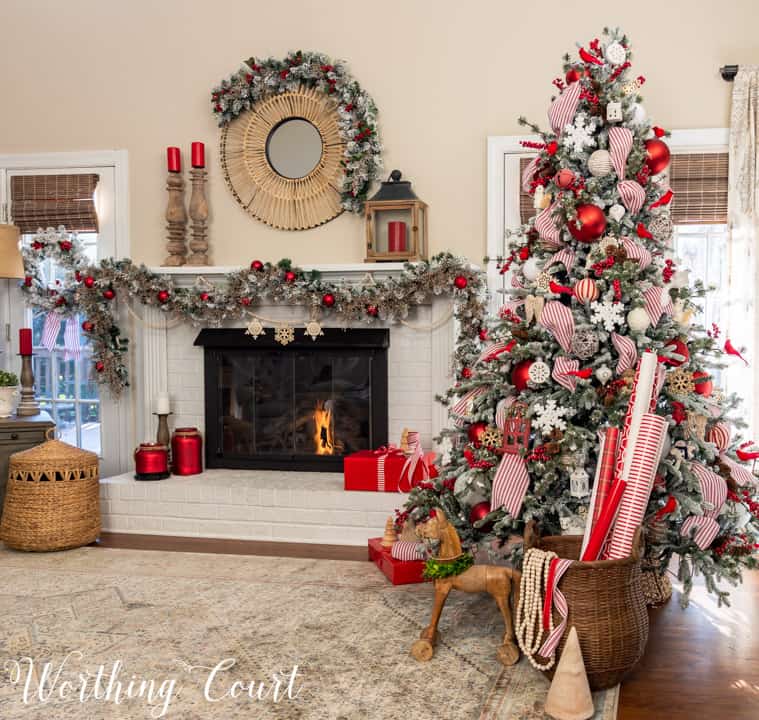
[258, 79]
[90, 293]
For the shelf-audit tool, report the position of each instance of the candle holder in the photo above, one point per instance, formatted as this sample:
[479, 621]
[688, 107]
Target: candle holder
[199, 217]
[176, 221]
[163, 437]
[28, 404]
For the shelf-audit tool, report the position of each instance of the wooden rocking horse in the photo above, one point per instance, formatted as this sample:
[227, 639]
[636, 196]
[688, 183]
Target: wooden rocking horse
[494, 579]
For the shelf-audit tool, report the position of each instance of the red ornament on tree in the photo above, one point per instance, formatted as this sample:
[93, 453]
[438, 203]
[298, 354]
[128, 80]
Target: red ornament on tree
[590, 224]
[657, 156]
[479, 512]
[163, 296]
[474, 433]
[372, 310]
[524, 253]
[483, 334]
[28, 281]
[520, 374]
[100, 366]
[680, 348]
[703, 384]
[466, 373]
[88, 326]
[552, 148]
[257, 265]
[460, 282]
[65, 245]
[245, 301]
[564, 178]
[89, 281]
[204, 296]
[290, 276]
[328, 300]
[109, 293]
[574, 74]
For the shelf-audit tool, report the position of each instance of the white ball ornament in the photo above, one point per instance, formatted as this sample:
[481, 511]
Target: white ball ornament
[639, 114]
[617, 212]
[531, 269]
[638, 320]
[615, 53]
[603, 374]
[599, 163]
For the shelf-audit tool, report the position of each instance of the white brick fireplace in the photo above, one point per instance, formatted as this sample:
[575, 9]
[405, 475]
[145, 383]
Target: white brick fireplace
[273, 505]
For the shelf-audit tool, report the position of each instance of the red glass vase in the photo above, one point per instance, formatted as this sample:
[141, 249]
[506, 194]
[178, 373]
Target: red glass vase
[151, 462]
[186, 451]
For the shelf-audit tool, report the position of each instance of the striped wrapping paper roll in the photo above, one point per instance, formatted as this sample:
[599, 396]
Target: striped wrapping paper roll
[405, 550]
[510, 484]
[606, 464]
[644, 449]
[563, 109]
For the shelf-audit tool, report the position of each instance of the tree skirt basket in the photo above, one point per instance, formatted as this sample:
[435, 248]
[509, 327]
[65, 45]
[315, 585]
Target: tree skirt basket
[606, 605]
[52, 499]
[657, 587]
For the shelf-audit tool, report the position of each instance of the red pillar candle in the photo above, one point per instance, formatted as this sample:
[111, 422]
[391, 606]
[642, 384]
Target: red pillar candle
[174, 159]
[396, 236]
[198, 155]
[25, 341]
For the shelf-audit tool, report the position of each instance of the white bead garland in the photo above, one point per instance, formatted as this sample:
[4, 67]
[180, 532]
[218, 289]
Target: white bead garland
[529, 620]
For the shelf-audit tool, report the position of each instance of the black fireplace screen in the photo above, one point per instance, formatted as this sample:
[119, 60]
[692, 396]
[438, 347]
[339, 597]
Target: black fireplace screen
[302, 406]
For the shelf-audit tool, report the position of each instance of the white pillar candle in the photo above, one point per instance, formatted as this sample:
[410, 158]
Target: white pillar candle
[162, 404]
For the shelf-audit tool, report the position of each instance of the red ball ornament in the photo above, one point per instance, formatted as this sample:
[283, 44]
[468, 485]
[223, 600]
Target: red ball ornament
[100, 366]
[328, 300]
[28, 281]
[703, 384]
[372, 310]
[204, 296]
[524, 253]
[109, 294]
[552, 148]
[257, 265]
[483, 334]
[680, 348]
[564, 178]
[590, 223]
[460, 282]
[88, 326]
[65, 245]
[290, 276]
[657, 156]
[574, 74]
[245, 301]
[479, 512]
[520, 374]
[466, 373]
[163, 296]
[89, 281]
[474, 433]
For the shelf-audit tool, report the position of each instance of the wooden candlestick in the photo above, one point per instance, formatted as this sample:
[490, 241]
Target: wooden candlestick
[163, 436]
[199, 216]
[176, 221]
[28, 404]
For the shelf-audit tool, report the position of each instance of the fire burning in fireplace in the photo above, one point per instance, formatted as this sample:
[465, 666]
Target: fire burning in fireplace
[324, 441]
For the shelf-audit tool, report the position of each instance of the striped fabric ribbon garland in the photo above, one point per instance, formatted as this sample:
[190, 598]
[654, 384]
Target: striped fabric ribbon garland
[547, 227]
[560, 602]
[657, 302]
[561, 367]
[713, 488]
[563, 109]
[529, 173]
[492, 351]
[627, 351]
[516, 282]
[630, 192]
[510, 484]
[71, 347]
[557, 318]
[565, 256]
[50, 330]
[740, 474]
[706, 530]
[637, 252]
[407, 550]
[463, 406]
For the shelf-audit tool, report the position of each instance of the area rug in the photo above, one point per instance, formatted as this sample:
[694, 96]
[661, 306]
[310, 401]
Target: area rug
[104, 633]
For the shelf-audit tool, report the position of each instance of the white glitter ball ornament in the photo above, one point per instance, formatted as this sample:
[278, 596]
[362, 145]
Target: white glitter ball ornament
[531, 269]
[617, 212]
[638, 320]
[599, 163]
[538, 372]
[603, 374]
[615, 53]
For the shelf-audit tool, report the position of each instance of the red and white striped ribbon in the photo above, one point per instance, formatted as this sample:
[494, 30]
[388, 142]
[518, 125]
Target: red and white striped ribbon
[406, 550]
[501, 410]
[557, 318]
[630, 192]
[627, 351]
[713, 488]
[632, 195]
[510, 484]
[50, 330]
[637, 252]
[646, 449]
[667, 306]
[738, 472]
[71, 347]
[560, 602]
[528, 173]
[565, 255]
[706, 532]
[416, 456]
[510, 306]
[563, 109]
[516, 281]
[547, 227]
[561, 366]
[653, 306]
[463, 406]
[492, 351]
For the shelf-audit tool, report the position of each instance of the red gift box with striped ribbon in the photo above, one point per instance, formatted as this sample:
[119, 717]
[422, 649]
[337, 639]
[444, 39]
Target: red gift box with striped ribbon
[385, 470]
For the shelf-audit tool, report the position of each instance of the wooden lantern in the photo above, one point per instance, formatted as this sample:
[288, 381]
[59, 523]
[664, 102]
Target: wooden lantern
[396, 223]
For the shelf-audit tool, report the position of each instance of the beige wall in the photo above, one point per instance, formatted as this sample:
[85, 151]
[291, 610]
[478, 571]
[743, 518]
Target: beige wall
[97, 74]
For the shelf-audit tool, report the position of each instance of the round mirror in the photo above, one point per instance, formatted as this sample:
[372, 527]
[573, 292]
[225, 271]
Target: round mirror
[294, 148]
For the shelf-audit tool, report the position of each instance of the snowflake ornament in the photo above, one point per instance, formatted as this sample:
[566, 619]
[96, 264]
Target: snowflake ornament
[314, 329]
[607, 313]
[549, 416]
[579, 135]
[543, 282]
[255, 329]
[491, 437]
[539, 372]
[615, 53]
[284, 335]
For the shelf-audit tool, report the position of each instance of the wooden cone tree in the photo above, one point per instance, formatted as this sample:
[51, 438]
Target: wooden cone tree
[569, 696]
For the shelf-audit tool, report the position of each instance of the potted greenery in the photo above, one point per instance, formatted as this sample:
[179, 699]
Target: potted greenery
[9, 394]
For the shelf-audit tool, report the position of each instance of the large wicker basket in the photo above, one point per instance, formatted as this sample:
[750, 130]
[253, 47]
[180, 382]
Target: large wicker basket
[52, 500]
[606, 605]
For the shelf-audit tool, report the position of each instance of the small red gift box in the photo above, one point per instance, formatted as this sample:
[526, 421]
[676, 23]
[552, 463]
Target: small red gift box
[398, 572]
[383, 470]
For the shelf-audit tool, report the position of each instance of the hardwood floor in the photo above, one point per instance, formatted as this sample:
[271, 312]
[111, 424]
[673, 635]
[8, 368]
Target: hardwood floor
[700, 663]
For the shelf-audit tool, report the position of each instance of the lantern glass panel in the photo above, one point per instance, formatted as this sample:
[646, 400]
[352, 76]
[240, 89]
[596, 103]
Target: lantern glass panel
[392, 230]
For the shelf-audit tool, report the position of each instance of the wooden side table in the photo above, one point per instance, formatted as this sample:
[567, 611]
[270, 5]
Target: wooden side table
[19, 433]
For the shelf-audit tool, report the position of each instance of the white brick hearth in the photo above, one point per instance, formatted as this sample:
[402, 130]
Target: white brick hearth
[247, 505]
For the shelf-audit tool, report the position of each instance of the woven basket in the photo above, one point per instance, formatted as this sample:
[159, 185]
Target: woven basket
[52, 499]
[606, 605]
[656, 586]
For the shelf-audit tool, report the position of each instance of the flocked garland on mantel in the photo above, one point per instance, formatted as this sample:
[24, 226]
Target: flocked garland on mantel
[93, 292]
[260, 78]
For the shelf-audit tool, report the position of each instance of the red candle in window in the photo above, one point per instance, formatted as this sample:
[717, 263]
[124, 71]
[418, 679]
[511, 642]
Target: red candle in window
[198, 155]
[396, 236]
[25, 341]
[174, 159]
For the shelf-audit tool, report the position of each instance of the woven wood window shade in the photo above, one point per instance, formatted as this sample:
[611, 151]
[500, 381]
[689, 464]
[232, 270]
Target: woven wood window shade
[41, 201]
[526, 210]
[699, 181]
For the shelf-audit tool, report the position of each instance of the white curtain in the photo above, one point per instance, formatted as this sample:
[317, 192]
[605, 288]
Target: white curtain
[743, 205]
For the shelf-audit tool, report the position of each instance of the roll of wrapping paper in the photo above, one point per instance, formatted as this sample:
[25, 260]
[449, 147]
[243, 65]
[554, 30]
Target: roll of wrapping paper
[644, 451]
[602, 527]
[604, 476]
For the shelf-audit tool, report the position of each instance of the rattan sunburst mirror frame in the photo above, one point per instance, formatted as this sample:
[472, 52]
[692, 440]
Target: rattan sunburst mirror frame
[282, 202]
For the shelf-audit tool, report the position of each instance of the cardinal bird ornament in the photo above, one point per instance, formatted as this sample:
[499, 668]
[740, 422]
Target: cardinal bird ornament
[730, 350]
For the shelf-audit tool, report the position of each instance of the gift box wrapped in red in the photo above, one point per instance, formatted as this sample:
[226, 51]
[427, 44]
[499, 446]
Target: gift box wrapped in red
[386, 470]
[398, 572]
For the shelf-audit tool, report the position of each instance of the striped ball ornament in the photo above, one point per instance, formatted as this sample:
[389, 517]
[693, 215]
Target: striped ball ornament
[586, 291]
[719, 434]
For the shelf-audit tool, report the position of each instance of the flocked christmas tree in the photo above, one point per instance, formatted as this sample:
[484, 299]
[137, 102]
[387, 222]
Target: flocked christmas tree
[594, 284]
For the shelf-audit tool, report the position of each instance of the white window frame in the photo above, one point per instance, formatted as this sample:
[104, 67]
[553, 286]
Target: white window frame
[116, 415]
